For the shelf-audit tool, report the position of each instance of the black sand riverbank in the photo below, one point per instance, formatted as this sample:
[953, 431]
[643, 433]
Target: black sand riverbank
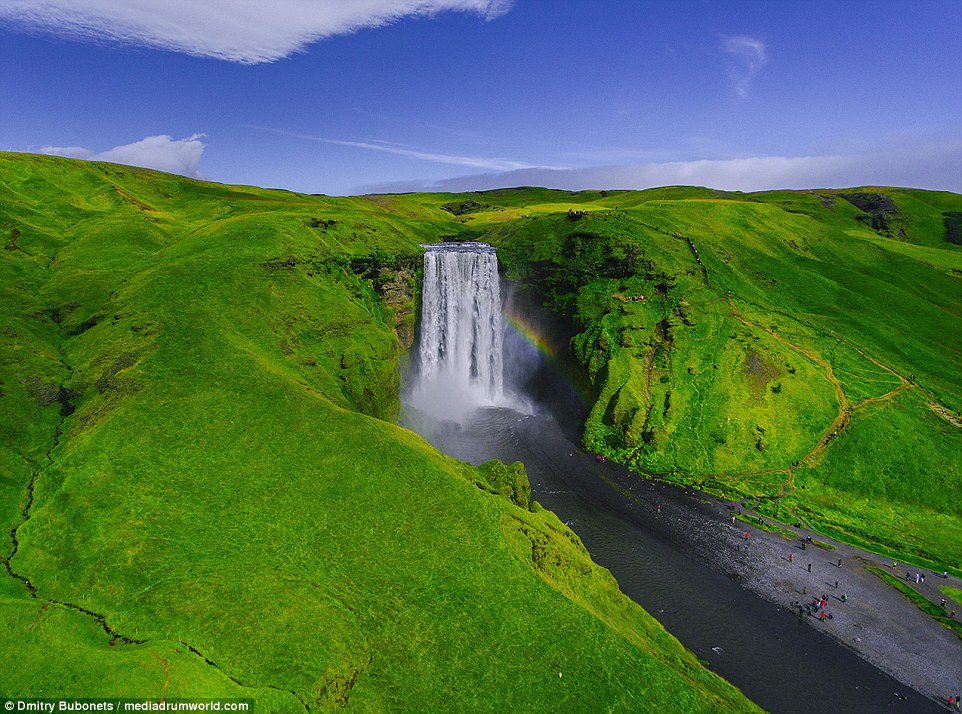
[874, 620]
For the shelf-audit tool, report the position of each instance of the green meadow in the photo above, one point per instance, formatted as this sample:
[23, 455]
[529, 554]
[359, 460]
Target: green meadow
[206, 492]
[203, 491]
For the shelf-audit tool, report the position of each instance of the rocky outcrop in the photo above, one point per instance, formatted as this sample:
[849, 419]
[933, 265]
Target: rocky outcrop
[397, 288]
[395, 281]
[880, 211]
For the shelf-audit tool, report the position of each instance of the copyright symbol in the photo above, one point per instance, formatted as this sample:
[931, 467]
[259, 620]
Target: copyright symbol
[9, 705]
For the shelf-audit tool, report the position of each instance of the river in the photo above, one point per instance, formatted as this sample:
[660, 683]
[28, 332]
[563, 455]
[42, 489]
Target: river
[661, 561]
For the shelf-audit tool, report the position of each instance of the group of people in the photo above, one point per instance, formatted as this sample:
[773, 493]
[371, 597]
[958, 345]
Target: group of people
[816, 607]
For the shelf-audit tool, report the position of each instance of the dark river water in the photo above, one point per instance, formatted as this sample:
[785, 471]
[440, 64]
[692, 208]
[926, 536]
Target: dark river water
[778, 661]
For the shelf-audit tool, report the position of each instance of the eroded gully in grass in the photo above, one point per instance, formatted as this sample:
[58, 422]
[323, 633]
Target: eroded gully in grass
[66, 409]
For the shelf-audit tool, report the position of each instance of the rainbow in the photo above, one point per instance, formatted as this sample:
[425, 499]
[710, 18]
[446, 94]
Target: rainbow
[532, 335]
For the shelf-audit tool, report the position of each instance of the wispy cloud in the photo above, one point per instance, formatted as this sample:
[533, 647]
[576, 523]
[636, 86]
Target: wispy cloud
[746, 56]
[933, 166]
[178, 156]
[245, 31]
[486, 163]
[478, 162]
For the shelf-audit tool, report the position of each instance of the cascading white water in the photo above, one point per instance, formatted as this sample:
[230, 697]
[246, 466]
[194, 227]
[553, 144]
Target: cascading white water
[462, 331]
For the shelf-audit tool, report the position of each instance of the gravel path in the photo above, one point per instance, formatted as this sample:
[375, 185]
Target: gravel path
[876, 621]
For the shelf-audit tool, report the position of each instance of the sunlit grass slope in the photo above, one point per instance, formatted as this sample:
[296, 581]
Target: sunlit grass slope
[202, 492]
[801, 344]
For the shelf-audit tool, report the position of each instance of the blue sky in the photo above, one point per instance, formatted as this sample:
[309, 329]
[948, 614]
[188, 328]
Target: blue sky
[348, 96]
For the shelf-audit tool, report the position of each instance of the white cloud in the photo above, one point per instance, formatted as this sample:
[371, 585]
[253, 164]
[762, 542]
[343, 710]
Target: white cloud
[177, 156]
[245, 31]
[746, 57]
[933, 166]
[71, 152]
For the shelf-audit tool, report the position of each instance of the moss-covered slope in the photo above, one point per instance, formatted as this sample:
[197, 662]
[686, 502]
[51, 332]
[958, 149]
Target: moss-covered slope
[796, 344]
[205, 495]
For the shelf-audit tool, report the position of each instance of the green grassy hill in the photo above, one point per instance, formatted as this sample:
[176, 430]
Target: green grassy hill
[796, 344]
[204, 493]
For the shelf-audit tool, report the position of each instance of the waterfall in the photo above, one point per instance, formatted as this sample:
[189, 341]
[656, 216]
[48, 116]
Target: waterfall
[462, 331]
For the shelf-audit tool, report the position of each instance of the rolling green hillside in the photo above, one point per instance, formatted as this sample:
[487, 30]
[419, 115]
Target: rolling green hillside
[804, 345]
[204, 493]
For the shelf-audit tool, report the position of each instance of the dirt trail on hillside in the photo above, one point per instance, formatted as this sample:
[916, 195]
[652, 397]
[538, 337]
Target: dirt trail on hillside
[953, 419]
[846, 408]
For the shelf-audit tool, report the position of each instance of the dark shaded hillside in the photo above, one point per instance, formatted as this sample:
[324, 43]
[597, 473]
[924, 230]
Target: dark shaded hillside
[205, 495]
